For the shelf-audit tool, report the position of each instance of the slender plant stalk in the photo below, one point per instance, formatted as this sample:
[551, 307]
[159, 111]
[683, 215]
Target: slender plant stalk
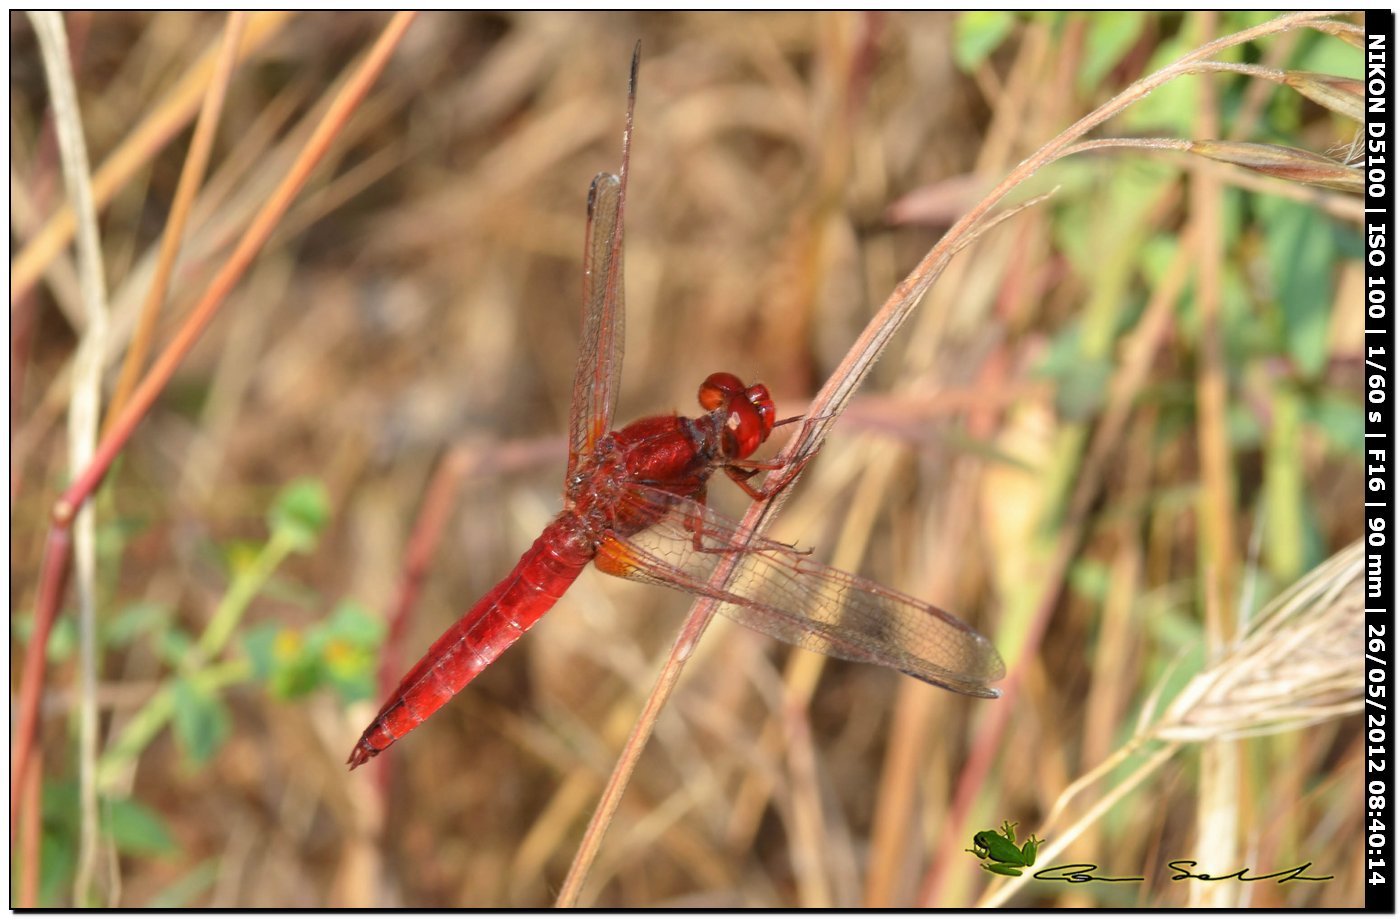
[82, 413]
[1217, 805]
[30, 832]
[191, 178]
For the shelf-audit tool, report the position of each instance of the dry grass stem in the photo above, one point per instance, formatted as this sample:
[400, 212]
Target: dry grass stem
[191, 177]
[83, 412]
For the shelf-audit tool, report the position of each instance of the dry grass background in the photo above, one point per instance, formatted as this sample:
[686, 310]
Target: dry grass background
[788, 171]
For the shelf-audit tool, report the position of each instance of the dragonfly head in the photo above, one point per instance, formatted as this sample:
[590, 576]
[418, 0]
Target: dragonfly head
[748, 412]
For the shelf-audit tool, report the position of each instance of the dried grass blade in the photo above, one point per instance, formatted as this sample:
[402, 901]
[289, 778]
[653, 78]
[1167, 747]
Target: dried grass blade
[1287, 163]
[1342, 95]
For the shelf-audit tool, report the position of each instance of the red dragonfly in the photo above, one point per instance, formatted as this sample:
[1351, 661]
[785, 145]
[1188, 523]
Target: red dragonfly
[634, 505]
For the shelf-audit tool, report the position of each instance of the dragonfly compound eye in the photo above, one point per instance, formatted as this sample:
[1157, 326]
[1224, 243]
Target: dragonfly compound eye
[717, 390]
[759, 398]
[745, 428]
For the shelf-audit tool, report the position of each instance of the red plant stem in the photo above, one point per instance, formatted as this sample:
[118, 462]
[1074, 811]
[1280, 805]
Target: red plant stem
[29, 837]
[52, 582]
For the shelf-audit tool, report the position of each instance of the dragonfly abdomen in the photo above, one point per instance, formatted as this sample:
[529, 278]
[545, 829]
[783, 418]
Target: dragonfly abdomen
[483, 634]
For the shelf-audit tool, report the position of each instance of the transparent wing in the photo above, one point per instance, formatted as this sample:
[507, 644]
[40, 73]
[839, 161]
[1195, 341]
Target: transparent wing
[780, 592]
[600, 352]
[599, 368]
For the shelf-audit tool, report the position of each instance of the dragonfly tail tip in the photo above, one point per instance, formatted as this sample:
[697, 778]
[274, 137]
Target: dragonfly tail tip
[359, 756]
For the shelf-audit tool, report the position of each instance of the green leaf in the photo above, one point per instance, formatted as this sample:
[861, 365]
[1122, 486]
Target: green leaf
[1243, 427]
[60, 805]
[1176, 650]
[977, 34]
[63, 637]
[353, 623]
[58, 845]
[58, 861]
[182, 891]
[63, 640]
[1245, 336]
[296, 678]
[260, 643]
[1301, 253]
[1170, 108]
[299, 513]
[1111, 35]
[1326, 55]
[285, 660]
[201, 721]
[133, 621]
[1340, 419]
[174, 645]
[137, 830]
[1081, 382]
[1285, 489]
[350, 670]
[1083, 389]
[340, 652]
[1090, 580]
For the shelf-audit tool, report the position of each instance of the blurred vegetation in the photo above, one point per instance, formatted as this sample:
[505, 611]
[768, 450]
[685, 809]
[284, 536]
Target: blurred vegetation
[788, 171]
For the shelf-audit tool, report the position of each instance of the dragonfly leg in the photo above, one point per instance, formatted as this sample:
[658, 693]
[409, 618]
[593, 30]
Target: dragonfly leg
[741, 472]
[741, 478]
[695, 523]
